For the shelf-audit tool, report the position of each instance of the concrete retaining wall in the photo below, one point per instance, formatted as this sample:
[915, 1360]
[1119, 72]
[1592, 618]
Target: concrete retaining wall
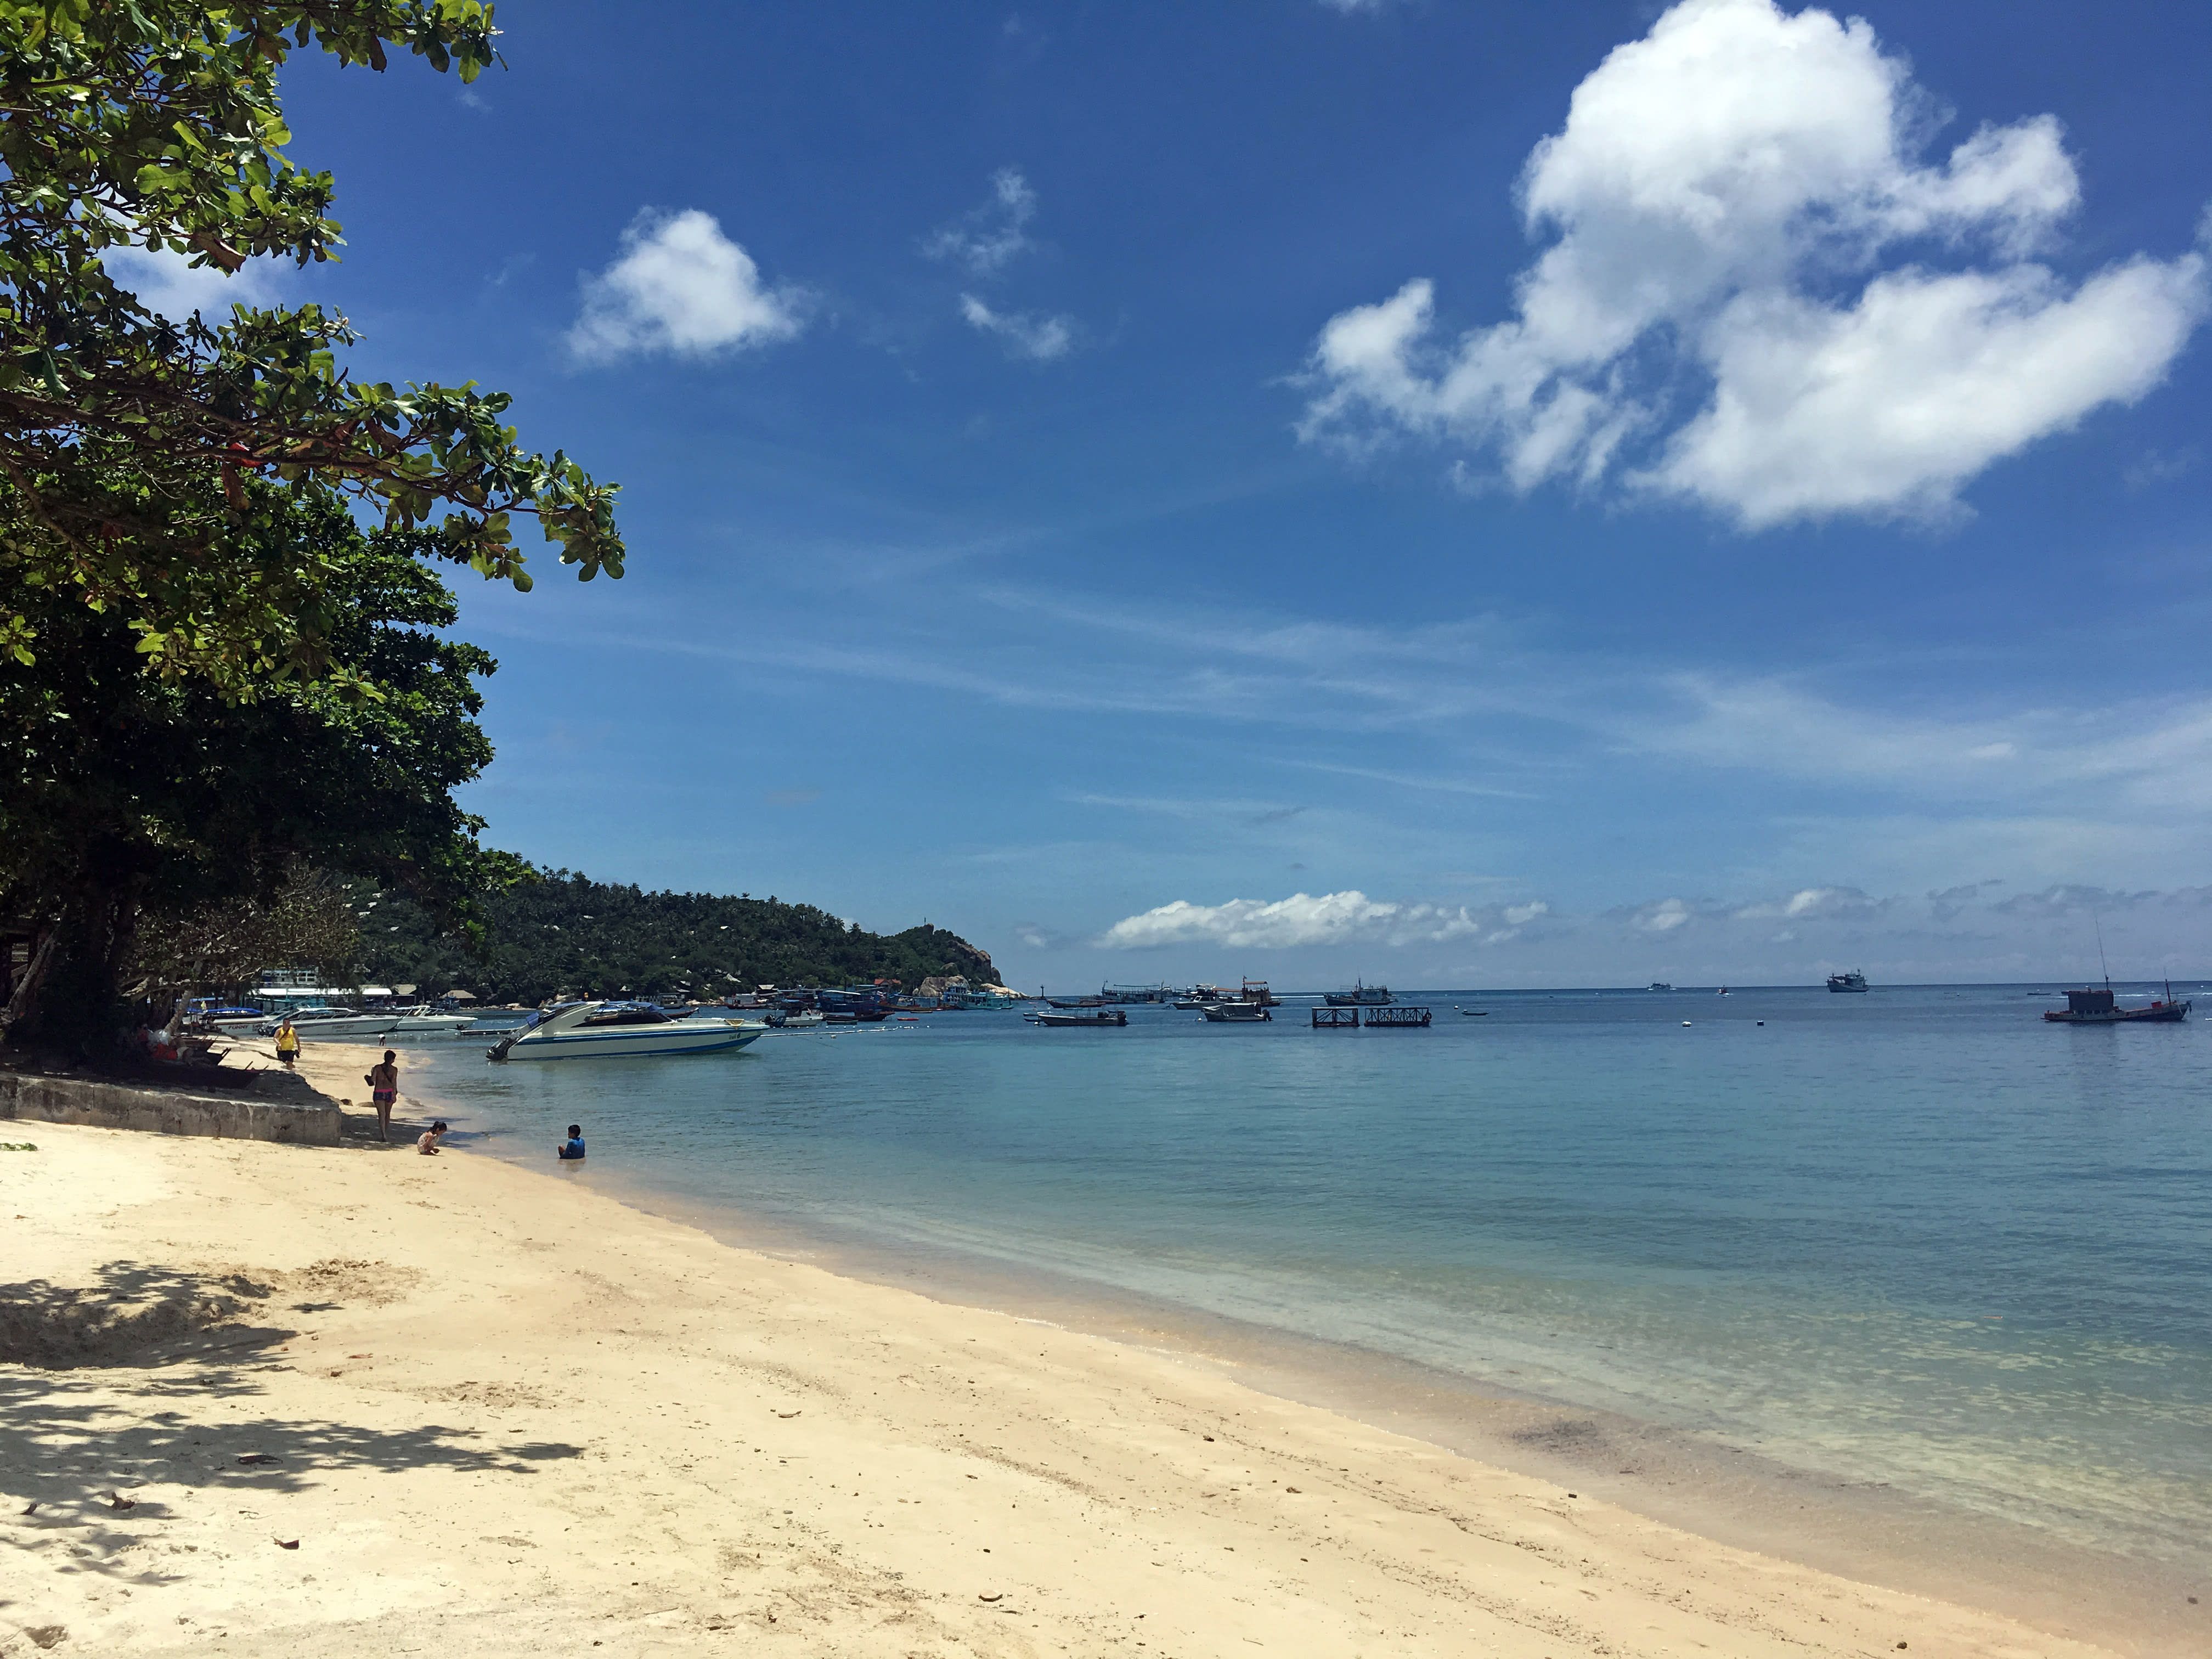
[310, 1122]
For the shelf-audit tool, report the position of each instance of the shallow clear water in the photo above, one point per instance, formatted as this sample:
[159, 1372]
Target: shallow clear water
[1915, 1236]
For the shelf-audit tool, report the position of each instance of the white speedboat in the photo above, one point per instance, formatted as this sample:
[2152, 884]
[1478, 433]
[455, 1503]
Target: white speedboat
[318, 1024]
[236, 1022]
[426, 1019]
[594, 1031]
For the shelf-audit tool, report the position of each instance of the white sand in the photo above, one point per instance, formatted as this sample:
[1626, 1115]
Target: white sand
[511, 1416]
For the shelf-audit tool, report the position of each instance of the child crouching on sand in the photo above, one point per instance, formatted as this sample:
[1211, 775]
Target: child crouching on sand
[428, 1145]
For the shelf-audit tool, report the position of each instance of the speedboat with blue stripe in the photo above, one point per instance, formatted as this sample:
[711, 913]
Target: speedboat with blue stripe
[594, 1030]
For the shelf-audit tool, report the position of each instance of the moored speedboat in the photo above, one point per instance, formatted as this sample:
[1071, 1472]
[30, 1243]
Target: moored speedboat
[427, 1019]
[595, 1031]
[231, 1019]
[1236, 1013]
[319, 1024]
[1090, 1018]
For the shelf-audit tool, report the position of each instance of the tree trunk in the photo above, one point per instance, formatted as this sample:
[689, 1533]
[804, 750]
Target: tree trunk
[72, 1005]
[24, 999]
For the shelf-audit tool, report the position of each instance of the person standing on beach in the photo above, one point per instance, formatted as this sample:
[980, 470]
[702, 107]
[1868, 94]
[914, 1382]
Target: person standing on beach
[384, 1091]
[287, 1041]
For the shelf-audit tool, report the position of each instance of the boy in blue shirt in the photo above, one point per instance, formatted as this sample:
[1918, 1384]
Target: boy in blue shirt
[574, 1145]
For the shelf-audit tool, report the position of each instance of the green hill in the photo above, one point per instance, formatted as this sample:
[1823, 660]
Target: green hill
[556, 932]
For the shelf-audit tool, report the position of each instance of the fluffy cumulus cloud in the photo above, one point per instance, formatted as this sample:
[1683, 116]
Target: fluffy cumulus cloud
[1304, 918]
[170, 285]
[1663, 916]
[1760, 294]
[1038, 339]
[985, 239]
[680, 287]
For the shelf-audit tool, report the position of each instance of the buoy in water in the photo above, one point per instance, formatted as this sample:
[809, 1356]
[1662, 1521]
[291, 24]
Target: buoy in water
[1686, 1022]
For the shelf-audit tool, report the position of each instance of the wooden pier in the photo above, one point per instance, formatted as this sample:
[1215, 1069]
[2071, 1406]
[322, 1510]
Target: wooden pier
[1336, 1020]
[1401, 1017]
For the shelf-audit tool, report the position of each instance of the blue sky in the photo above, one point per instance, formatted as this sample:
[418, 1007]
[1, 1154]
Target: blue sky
[1459, 493]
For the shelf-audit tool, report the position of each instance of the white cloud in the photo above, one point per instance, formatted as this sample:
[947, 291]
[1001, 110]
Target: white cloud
[1306, 919]
[987, 238]
[1720, 202]
[1040, 340]
[168, 284]
[1970, 934]
[683, 287]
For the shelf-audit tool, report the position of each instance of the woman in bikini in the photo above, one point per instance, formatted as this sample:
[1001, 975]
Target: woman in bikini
[384, 1090]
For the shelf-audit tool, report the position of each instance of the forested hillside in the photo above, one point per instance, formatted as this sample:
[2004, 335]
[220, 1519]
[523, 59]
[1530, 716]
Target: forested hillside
[554, 931]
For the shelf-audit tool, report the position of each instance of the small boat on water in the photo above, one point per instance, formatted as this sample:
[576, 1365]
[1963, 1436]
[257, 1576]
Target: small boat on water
[1134, 994]
[1660, 985]
[426, 1019]
[803, 1019]
[1236, 1013]
[1076, 1002]
[1854, 981]
[320, 1024]
[1088, 1018]
[595, 1031]
[232, 1019]
[1360, 996]
[2100, 1007]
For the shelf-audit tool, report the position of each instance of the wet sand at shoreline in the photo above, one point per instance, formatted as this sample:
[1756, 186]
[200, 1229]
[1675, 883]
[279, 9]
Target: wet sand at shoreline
[497, 1411]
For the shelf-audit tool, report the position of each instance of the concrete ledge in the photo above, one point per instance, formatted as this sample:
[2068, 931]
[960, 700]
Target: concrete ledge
[310, 1123]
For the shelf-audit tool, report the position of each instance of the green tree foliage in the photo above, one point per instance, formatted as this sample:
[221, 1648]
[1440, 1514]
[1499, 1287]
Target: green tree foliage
[125, 795]
[126, 441]
[307, 923]
[554, 932]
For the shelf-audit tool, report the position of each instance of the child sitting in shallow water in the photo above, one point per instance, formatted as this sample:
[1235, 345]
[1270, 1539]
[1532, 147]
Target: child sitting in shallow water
[574, 1145]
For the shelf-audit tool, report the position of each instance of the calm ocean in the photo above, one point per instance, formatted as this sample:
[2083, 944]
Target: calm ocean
[1915, 1236]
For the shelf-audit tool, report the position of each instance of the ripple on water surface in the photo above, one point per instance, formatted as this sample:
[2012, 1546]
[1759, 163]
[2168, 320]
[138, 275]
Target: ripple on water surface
[1916, 1236]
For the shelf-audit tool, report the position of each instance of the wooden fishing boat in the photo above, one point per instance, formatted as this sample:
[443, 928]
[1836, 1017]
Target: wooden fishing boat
[2094, 1006]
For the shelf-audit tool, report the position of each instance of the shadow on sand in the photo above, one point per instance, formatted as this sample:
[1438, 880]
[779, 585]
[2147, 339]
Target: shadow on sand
[110, 1388]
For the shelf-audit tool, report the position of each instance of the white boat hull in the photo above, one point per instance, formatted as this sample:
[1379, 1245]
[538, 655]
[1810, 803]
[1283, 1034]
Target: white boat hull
[432, 1024]
[677, 1038]
[320, 1030]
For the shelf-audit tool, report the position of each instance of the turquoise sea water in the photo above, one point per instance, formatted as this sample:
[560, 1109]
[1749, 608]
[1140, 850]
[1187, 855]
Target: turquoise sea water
[1915, 1236]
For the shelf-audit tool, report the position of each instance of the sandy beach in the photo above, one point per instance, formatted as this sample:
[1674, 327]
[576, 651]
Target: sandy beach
[274, 1400]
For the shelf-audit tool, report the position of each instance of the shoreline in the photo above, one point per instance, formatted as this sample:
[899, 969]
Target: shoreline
[1730, 1494]
[352, 1401]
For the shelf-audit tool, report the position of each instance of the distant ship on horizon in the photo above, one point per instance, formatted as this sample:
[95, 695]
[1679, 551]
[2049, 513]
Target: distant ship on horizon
[1854, 981]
